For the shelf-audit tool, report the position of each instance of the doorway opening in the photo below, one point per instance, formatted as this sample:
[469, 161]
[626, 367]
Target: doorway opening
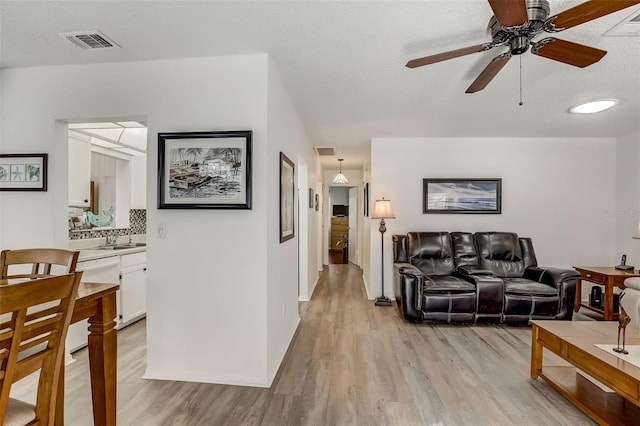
[343, 227]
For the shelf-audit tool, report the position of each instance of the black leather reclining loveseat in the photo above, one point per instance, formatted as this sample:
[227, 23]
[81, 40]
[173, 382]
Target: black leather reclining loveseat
[486, 276]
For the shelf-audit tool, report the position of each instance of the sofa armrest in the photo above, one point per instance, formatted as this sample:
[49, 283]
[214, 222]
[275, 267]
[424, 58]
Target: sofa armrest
[550, 276]
[489, 292]
[562, 279]
[407, 285]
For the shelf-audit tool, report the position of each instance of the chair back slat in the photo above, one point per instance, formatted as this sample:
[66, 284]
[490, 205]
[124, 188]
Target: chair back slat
[38, 260]
[35, 340]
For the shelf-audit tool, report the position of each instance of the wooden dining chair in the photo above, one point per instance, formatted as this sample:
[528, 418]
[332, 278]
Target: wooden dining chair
[39, 260]
[39, 333]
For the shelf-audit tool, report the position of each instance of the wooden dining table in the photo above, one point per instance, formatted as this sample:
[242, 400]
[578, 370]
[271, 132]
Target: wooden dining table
[97, 303]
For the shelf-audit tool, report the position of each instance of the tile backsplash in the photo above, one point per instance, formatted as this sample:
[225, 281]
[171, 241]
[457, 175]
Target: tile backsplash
[137, 223]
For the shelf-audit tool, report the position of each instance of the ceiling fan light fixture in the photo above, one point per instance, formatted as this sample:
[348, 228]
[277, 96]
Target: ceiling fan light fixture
[340, 178]
[594, 106]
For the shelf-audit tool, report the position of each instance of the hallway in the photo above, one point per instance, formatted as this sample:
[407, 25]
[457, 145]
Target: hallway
[350, 363]
[336, 257]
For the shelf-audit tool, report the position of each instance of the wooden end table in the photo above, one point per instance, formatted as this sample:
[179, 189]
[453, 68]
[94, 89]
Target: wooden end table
[606, 276]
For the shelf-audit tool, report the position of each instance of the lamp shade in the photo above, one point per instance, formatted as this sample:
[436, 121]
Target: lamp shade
[340, 178]
[382, 210]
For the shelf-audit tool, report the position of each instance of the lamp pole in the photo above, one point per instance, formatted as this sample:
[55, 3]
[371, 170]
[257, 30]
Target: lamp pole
[382, 300]
[382, 210]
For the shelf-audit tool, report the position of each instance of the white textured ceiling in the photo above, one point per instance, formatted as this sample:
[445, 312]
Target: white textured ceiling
[343, 63]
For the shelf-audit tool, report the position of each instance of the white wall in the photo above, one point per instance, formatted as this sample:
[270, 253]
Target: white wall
[338, 195]
[138, 181]
[211, 290]
[286, 134]
[555, 190]
[627, 211]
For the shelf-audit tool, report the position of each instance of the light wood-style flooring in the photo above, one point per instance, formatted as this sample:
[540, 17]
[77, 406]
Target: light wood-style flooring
[350, 363]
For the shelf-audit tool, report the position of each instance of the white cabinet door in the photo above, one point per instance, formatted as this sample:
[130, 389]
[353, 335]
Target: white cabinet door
[79, 172]
[133, 298]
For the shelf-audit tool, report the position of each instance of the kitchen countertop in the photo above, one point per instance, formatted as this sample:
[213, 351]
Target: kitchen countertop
[93, 254]
[88, 250]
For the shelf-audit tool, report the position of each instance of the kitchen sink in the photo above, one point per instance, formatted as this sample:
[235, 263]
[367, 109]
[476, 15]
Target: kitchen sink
[120, 246]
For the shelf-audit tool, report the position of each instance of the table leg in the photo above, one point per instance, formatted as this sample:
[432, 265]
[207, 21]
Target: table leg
[536, 353]
[608, 301]
[578, 298]
[102, 359]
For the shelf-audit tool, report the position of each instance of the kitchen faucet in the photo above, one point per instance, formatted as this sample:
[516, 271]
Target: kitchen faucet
[111, 239]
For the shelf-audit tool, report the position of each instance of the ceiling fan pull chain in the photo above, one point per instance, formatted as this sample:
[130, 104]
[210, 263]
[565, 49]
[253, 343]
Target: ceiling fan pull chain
[521, 103]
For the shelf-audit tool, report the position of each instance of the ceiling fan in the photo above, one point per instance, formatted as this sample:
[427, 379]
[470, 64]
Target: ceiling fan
[517, 22]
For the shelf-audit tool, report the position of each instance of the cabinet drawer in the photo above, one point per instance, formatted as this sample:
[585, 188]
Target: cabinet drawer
[594, 277]
[133, 259]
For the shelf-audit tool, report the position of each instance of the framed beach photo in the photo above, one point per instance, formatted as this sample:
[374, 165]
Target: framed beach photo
[462, 196]
[204, 170]
[287, 192]
[23, 172]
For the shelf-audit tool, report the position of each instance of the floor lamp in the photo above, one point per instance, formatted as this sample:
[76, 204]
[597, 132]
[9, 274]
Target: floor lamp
[382, 210]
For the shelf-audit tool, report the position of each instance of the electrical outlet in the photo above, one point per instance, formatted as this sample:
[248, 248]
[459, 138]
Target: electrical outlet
[162, 230]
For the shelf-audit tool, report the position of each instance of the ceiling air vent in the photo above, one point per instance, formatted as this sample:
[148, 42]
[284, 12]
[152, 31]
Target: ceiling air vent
[630, 27]
[325, 150]
[90, 39]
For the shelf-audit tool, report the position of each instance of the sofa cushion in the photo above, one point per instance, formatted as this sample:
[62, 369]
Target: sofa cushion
[431, 252]
[447, 284]
[527, 287]
[500, 252]
[464, 249]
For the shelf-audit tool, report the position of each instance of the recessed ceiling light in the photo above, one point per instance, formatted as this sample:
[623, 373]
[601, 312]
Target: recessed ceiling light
[593, 106]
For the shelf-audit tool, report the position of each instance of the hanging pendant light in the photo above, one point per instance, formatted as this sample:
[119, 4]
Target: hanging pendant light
[340, 178]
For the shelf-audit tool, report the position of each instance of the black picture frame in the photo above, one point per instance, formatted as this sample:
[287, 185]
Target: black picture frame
[310, 198]
[317, 202]
[23, 172]
[477, 195]
[365, 201]
[204, 170]
[287, 198]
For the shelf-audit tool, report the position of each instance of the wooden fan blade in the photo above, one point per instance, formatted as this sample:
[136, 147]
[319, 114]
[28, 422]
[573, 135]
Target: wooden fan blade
[414, 63]
[489, 73]
[510, 13]
[585, 12]
[568, 52]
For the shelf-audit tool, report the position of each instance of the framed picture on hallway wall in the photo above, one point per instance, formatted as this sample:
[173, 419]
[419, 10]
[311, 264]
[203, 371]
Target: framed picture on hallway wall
[462, 196]
[287, 193]
[204, 170]
[23, 172]
[366, 199]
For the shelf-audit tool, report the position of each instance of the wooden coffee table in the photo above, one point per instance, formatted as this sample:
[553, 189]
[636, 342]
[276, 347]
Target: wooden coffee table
[574, 341]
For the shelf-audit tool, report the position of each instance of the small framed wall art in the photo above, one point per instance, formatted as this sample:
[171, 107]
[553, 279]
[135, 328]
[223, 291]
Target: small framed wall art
[23, 172]
[204, 170]
[366, 200]
[287, 192]
[462, 196]
[310, 198]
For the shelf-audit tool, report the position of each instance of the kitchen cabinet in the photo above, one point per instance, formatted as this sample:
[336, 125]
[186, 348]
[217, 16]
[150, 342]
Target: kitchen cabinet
[132, 301]
[129, 270]
[79, 171]
[102, 270]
